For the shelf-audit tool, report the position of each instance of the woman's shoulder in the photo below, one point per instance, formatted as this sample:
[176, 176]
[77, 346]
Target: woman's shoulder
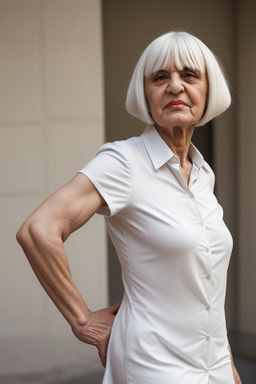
[123, 149]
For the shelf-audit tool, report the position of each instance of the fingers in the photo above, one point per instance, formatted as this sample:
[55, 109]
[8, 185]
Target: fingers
[98, 328]
[114, 308]
[102, 347]
[102, 355]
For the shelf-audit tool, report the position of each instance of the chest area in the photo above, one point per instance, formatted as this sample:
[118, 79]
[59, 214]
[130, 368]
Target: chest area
[165, 213]
[164, 194]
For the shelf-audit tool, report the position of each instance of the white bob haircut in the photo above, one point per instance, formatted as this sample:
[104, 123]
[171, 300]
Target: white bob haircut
[183, 49]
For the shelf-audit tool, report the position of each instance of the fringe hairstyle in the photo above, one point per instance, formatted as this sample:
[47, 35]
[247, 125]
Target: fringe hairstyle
[180, 48]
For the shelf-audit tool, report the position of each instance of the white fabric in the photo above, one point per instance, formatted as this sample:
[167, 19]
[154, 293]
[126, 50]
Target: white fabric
[174, 249]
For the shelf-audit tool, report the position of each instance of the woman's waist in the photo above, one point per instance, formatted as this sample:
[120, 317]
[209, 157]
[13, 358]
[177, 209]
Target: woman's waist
[169, 341]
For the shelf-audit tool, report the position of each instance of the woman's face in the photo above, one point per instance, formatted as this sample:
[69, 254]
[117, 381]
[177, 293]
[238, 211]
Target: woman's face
[176, 97]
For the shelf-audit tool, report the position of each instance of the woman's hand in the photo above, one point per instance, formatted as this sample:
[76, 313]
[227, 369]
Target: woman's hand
[97, 329]
[236, 375]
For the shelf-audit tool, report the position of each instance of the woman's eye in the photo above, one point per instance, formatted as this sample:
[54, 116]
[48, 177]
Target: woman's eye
[190, 74]
[160, 77]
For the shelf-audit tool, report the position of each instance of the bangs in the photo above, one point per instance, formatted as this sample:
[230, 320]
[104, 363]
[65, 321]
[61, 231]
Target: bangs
[177, 50]
[182, 50]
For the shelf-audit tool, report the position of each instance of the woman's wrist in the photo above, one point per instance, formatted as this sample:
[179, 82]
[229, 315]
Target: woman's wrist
[81, 319]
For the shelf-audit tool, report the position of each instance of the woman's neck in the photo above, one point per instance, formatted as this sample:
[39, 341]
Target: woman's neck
[178, 139]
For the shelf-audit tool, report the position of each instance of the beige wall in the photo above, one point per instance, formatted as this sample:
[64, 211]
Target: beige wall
[51, 123]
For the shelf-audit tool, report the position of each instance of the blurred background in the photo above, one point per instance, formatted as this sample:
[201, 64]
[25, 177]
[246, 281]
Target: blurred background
[64, 70]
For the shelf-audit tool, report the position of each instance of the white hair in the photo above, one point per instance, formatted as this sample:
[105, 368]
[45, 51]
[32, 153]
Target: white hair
[181, 48]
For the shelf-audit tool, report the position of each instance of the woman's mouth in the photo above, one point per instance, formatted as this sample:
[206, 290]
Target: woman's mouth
[177, 104]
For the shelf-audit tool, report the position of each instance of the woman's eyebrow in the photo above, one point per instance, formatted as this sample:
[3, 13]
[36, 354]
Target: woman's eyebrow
[160, 71]
[190, 69]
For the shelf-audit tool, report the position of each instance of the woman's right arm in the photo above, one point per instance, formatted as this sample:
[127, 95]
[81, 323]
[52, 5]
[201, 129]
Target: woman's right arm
[42, 238]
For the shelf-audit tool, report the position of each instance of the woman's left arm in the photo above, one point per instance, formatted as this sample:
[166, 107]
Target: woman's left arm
[235, 373]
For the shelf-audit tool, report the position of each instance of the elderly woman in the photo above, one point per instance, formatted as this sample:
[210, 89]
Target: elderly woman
[156, 192]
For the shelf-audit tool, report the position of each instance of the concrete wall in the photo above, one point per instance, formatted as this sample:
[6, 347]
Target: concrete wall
[51, 123]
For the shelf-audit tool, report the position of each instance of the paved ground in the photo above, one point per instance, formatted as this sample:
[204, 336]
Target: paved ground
[90, 379]
[246, 369]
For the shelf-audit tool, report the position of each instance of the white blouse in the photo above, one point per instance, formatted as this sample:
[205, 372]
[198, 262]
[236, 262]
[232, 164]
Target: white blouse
[174, 250]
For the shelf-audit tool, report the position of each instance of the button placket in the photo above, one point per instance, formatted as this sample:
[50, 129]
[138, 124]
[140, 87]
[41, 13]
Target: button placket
[207, 277]
[197, 210]
[208, 327]
[207, 250]
[174, 166]
[207, 272]
[194, 174]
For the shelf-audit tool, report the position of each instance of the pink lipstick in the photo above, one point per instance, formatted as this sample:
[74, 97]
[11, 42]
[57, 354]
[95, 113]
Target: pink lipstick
[176, 104]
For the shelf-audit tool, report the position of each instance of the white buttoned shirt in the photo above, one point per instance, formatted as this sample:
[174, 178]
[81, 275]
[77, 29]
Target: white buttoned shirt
[174, 250]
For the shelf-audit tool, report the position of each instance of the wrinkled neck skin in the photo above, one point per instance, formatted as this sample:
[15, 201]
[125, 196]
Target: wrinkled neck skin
[178, 139]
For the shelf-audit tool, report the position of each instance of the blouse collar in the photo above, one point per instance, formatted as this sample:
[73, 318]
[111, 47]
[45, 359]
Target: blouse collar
[160, 153]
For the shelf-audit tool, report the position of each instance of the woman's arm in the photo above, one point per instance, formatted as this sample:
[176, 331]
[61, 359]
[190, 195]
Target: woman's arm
[42, 237]
[235, 373]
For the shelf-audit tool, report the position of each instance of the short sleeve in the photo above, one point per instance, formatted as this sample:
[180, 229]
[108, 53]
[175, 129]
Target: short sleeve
[110, 173]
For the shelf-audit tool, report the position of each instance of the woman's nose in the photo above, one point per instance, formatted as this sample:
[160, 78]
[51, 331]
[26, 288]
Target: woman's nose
[175, 85]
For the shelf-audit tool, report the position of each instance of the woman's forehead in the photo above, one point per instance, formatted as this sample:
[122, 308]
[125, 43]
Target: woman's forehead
[180, 60]
[173, 66]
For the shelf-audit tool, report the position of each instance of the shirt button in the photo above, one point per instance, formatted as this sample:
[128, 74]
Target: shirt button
[209, 276]
[207, 249]
[207, 338]
[207, 307]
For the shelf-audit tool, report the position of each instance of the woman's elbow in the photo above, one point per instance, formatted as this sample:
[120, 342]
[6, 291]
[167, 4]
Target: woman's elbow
[27, 234]
[23, 235]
